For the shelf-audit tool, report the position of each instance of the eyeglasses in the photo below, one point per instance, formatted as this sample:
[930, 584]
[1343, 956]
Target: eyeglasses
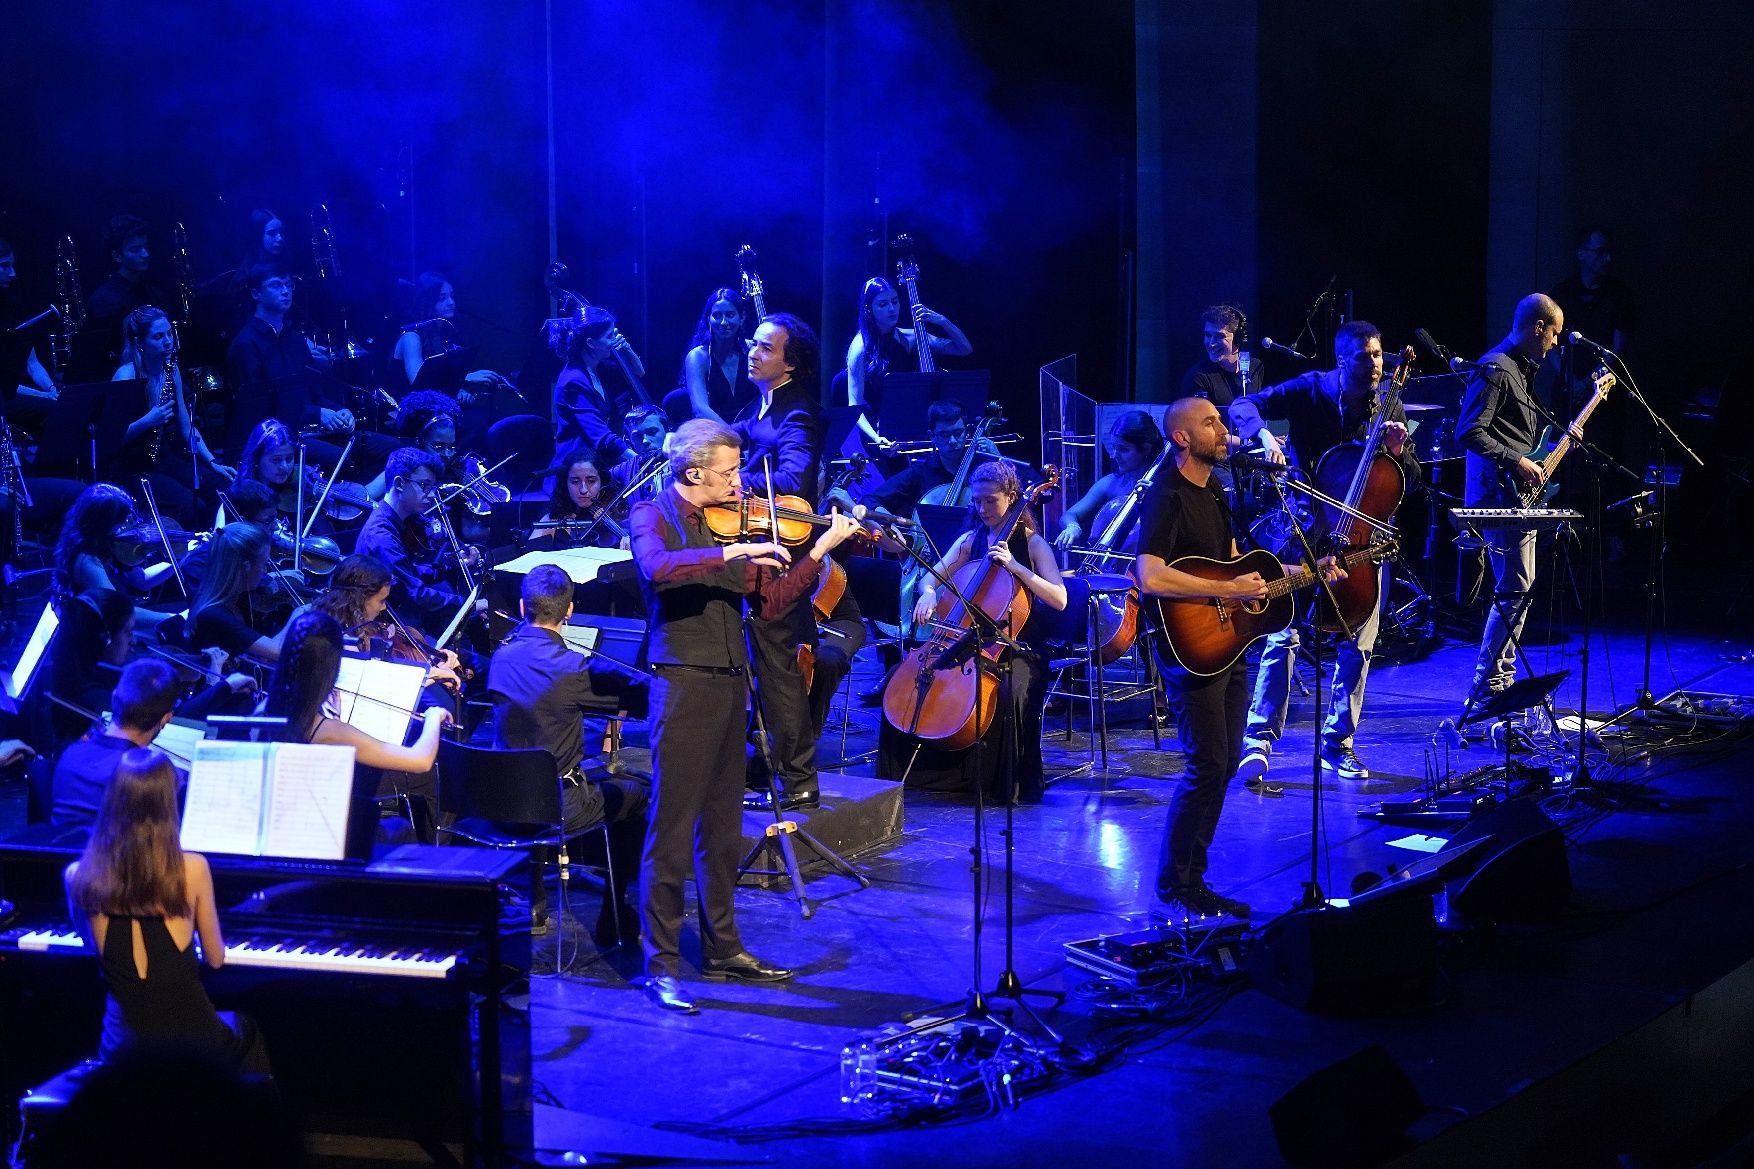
[423, 484]
[734, 475]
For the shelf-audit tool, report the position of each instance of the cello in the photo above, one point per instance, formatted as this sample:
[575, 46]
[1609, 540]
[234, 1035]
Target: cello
[951, 494]
[942, 691]
[1117, 613]
[1373, 483]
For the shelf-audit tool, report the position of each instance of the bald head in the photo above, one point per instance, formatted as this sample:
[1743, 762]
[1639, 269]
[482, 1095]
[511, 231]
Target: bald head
[1196, 430]
[1184, 414]
[1534, 329]
[1536, 307]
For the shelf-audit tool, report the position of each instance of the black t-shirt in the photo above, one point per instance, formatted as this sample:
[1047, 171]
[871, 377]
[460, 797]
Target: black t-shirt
[1209, 380]
[219, 625]
[1184, 519]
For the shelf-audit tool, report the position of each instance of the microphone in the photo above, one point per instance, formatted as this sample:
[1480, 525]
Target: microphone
[1269, 343]
[1442, 352]
[1576, 338]
[1259, 463]
[416, 326]
[957, 651]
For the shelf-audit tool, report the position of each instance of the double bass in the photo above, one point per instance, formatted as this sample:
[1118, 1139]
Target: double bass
[1370, 482]
[942, 692]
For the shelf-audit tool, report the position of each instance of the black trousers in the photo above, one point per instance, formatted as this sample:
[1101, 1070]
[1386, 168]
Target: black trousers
[622, 803]
[697, 726]
[785, 703]
[1210, 716]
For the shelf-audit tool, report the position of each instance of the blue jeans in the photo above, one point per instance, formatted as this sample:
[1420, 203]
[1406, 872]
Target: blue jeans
[1511, 553]
[1272, 695]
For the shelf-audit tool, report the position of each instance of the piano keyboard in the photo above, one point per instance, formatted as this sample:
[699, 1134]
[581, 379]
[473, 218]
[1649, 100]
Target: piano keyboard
[292, 954]
[1514, 517]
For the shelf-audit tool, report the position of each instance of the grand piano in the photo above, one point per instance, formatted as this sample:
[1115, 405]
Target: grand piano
[384, 989]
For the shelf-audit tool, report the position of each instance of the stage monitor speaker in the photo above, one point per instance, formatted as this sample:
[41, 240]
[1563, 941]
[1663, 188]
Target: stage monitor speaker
[1349, 960]
[1350, 1114]
[1523, 873]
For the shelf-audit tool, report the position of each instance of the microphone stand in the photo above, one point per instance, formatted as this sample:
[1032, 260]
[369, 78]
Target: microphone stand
[1312, 891]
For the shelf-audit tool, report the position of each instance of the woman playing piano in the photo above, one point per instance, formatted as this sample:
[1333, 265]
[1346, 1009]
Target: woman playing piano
[140, 900]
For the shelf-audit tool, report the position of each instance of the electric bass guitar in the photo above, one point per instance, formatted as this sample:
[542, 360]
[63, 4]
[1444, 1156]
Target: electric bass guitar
[1548, 453]
[1205, 636]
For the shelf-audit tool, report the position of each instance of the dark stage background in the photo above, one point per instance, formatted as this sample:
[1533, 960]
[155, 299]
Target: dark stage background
[1068, 172]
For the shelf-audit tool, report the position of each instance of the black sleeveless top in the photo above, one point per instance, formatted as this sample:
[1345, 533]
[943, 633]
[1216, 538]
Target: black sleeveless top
[893, 356]
[1035, 629]
[167, 1007]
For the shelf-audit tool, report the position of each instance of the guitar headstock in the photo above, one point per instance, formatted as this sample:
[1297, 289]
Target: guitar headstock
[1604, 379]
[748, 279]
[1404, 370]
[907, 267]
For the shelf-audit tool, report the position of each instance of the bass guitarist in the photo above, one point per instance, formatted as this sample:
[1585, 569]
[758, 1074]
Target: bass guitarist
[1326, 408]
[1498, 425]
[1186, 515]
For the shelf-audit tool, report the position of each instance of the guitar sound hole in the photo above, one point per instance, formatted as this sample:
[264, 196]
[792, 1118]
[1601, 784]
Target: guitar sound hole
[1255, 606]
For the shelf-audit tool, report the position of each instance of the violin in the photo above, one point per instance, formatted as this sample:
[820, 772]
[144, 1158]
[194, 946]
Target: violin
[130, 547]
[345, 503]
[404, 643]
[789, 521]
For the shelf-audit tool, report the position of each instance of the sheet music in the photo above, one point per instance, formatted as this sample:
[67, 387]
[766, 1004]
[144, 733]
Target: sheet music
[17, 679]
[310, 787]
[179, 740]
[581, 564]
[582, 638]
[223, 810]
[378, 698]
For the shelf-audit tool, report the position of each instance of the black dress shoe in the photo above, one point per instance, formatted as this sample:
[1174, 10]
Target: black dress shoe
[667, 993]
[804, 797]
[744, 967]
[758, 801]
[872, 695]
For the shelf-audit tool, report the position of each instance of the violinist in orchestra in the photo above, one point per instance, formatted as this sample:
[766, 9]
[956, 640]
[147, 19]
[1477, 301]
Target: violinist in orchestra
[227, 610]
[249, 501]
[358, 597]
[715, 371]
[1012, 770]
[104, 545]
[1134, 443]
[576, 515]
[882, 346]
[301, 692]
[427, 420]
[648, 432]
[1326, 408]
[270, 457]
[584, 403]
[695, 593]
[399, 532]
[94, 642]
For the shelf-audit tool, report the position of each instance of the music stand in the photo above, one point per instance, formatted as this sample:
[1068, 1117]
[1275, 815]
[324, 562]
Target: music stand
[1519, 696]
[284, 398]
[86, 424]
[906, 396]
[445, 372]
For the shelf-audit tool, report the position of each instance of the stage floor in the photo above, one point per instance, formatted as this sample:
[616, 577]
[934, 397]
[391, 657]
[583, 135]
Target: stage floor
[1659, 912]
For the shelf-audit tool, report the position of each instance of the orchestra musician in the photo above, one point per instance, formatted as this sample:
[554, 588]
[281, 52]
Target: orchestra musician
[1134, 443]
[947, 425]
[223, 610]
[542, 692]
[397, 532]
[695, 594]
[427, 420]
[33, 379]
[84, 659]
[648, 433]
[159, 442]
[121, 292]
[576, 515]
[582, 405]
[881, 347]
[85, 553]
[994, 489]
[715, 375]
[1325, 408]
[1498, 425]
[139, 900]
[358, 597]
[269, 348]
[782, 443]
[432, 306]
[1186, 515]
[300, 692]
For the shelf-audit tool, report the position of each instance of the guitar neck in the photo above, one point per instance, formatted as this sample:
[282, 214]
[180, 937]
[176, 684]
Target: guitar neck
[1291, 582]
[1583, 416]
